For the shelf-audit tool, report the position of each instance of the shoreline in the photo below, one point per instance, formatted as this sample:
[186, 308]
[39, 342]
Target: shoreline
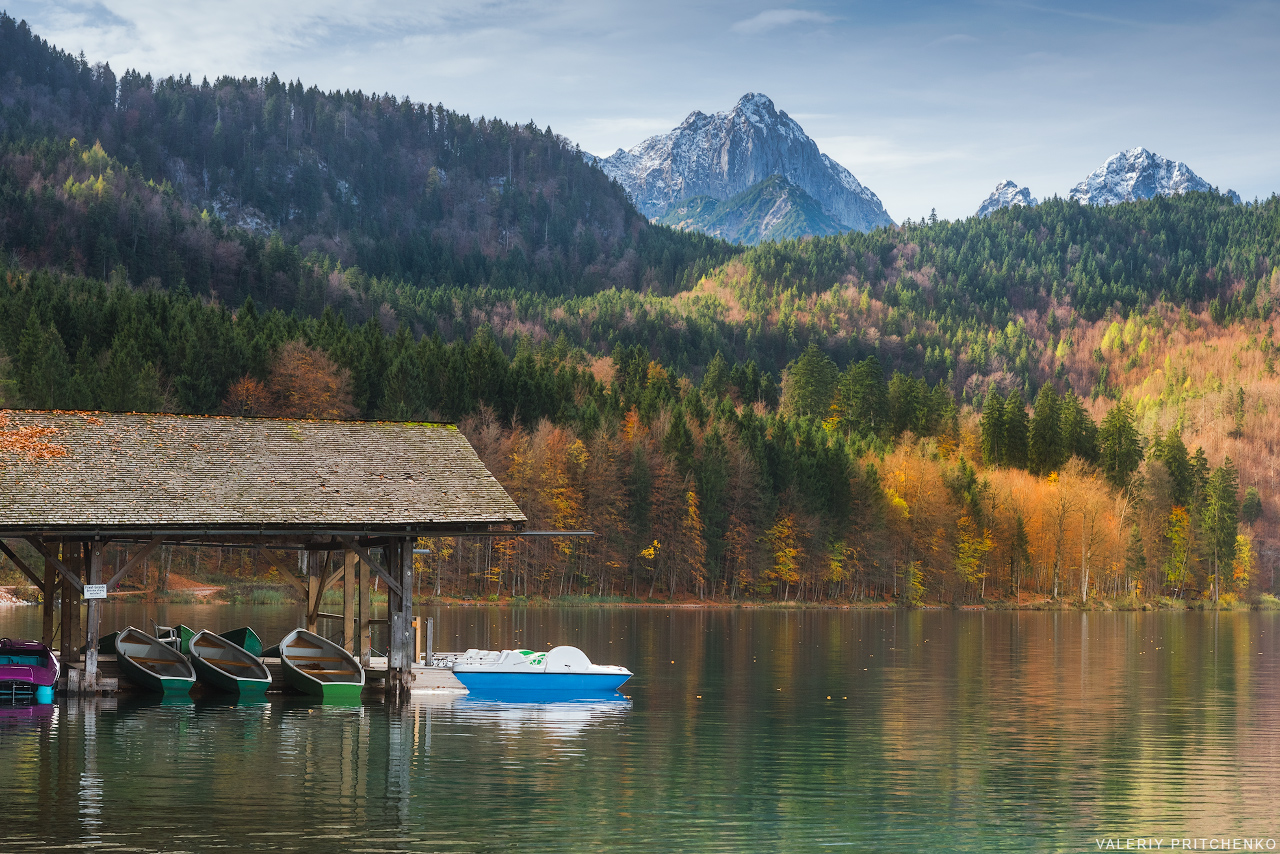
[208, 595]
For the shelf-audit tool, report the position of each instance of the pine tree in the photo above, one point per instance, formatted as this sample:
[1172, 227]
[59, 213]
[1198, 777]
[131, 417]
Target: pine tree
[809, 384]
[1044, 453]
[1079, 433]
[1172, 453]
[992, 428]
[1219, 518]
[1119, 450]
[1015, 431]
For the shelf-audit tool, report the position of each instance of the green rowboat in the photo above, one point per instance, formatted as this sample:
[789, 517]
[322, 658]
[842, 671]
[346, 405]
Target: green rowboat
[228, 667]
[245, 638]
[151, 665]
[320, 667]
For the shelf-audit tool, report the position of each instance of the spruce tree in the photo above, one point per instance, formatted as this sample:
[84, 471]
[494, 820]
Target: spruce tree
[1219, 519]
[1044, 453]
[1015, 431]
[992, 429]
[1120, 451]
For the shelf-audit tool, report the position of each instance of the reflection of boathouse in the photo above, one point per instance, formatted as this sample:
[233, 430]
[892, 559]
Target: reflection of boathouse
[352, 497]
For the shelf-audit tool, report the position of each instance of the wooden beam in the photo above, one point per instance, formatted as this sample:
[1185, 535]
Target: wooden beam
[314, 588]
[68, 576]
[349, 601]
[386, 576]
[134, 561]
[22, 565]
[366, 616]
[287, 573]
[334, 578]
[92, 618]
[46, 606]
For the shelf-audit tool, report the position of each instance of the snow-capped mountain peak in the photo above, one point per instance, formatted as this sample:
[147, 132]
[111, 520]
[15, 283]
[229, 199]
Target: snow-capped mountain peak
[1137, 174]
[1006, 195]
[723, 154]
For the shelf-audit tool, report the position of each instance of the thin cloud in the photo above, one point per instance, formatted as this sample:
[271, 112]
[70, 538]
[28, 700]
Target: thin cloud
[954, 38]
[772, 19]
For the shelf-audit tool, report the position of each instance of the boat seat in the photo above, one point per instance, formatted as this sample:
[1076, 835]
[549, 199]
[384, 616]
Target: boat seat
[155, 660]
[301, 658]
[218, 662]
[313, 672]
[205, 643]
[303, 643]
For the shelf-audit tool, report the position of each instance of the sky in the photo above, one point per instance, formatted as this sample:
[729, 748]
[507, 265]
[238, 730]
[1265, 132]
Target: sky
[930, 104]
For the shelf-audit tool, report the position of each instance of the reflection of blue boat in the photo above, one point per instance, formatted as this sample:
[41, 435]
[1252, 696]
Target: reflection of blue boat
[560, 717]
[559, 672]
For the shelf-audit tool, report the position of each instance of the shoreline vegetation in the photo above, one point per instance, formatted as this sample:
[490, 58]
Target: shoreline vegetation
[1054, 403]
[238, 593]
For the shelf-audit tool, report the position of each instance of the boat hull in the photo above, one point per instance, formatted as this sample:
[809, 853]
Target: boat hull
[146, 677]
[478, 681]
[219, 663]
[28, 672]
[245, 638]
[209, 675]
[330, 658]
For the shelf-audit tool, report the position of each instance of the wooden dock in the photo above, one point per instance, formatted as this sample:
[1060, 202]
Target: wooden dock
[433, 679]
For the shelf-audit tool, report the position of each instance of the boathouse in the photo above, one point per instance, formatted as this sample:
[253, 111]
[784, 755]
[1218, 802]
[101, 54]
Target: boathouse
[341, 493]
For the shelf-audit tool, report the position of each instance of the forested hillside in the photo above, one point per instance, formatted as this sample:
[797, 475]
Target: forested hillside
[1050, 403]
[183, 182]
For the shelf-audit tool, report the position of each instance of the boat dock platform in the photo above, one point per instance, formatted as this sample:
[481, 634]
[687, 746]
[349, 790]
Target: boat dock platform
[424, 678]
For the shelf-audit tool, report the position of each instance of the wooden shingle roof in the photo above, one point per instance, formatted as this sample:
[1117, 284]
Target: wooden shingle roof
[116, 473]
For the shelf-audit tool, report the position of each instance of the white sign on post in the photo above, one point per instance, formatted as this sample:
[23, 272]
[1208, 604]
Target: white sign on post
[95, 591]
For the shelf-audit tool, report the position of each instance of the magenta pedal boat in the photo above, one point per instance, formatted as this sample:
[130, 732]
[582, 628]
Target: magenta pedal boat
[28, 672]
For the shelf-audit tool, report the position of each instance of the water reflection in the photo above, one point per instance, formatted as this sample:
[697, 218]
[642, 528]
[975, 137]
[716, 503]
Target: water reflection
[779, 730]
[553, 718]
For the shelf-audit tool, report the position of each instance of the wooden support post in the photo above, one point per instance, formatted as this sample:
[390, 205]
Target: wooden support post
[349, 601]
[314, 588]
[400, 619]
[49, 590]
[69, 651]
[366, 614]
[90, 682]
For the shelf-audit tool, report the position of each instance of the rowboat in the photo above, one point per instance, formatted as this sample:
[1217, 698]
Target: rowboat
[227, 666]
[150, 664]
[564, 670]
[28, 672]
[319, 667]
[246, 638]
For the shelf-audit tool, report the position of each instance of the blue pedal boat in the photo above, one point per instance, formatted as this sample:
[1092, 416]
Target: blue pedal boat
[561, 670]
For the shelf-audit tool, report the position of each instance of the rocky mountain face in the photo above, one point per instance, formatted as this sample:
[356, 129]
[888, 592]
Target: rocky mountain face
[1137, 174]
[725, 154]
[1006, 195]
[774, 209]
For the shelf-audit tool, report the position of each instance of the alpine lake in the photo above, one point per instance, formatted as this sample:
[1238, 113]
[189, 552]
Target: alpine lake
[743, 730]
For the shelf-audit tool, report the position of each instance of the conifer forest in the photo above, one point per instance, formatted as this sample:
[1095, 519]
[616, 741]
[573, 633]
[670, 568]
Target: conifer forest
[1052, 404]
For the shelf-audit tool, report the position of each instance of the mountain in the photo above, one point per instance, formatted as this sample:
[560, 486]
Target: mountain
[774, 209]
[1137, 174]
[726, 153]
[1006, 195]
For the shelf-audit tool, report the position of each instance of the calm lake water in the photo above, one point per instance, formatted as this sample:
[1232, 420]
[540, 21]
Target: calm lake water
[743, 731]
